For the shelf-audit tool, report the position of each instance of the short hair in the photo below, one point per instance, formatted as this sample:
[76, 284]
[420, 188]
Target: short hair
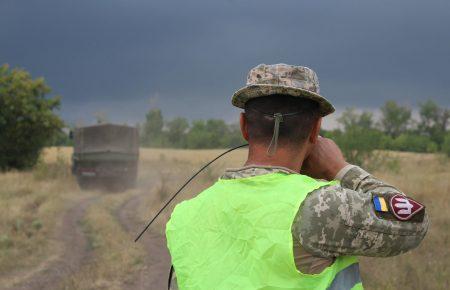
[294, 129]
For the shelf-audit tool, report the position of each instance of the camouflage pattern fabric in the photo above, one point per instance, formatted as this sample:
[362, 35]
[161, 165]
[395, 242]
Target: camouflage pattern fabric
[296, 81]
[340, 220]
[250, 171]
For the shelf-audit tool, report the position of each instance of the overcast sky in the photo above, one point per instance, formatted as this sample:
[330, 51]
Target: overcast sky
[122, 57]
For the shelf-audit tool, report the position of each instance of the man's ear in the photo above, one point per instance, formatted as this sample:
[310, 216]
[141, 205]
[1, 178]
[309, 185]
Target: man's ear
[243, 123]
[315, 131]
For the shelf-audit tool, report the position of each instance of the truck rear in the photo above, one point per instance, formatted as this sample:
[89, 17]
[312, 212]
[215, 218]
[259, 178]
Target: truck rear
[106, 156]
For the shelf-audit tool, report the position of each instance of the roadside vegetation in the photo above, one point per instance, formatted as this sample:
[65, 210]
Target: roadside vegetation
[28, 121]
[31, 205]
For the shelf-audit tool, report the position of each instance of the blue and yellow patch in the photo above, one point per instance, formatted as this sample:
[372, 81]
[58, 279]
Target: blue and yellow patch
[380, 204]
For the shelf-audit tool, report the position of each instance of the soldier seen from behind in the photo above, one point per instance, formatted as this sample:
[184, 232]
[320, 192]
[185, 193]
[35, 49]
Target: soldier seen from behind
[296, 215]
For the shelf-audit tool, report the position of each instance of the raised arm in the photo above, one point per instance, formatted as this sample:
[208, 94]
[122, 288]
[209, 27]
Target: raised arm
[356, 217]
[343, 220]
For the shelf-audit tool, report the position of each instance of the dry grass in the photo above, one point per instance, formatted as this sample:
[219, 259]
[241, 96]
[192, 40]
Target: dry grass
[425, 177]
[32, 206]
[32, 203]
[28, 216]
[192, 156]
[114, 258]
[51, 154]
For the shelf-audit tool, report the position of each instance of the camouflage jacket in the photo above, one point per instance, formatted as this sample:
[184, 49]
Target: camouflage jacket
[341, 220]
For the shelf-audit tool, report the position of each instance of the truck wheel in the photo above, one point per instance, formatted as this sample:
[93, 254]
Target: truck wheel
[120, 184]
[85, 183]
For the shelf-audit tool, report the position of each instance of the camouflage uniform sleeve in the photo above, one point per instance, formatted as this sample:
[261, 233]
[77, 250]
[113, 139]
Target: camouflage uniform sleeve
[341, 220]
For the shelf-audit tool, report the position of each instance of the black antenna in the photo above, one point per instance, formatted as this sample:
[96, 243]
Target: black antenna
[184, 185]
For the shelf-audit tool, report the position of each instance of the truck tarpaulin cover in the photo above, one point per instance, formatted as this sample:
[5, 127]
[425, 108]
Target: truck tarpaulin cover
[106, 137]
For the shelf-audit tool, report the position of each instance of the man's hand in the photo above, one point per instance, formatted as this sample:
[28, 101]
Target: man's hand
[324, 161]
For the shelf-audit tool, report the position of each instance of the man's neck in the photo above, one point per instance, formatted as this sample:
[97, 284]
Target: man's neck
[257, 155]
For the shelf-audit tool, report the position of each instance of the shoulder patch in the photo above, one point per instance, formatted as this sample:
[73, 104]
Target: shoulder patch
[404, 208]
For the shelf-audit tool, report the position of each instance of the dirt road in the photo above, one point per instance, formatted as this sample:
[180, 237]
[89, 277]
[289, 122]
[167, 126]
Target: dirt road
[77, 250]
[154, 273]
[68, 258]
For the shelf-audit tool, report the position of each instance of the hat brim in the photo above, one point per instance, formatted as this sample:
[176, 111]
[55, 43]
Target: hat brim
[247, 93]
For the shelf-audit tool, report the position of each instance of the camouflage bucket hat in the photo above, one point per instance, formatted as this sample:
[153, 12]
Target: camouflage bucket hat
[296, 81]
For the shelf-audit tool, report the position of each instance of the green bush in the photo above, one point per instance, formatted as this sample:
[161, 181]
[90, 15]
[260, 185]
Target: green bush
[358, 144]
[27, 119]
[61, 138]
[414, 143]
[386, 142]
[212, 133]
[432, 147]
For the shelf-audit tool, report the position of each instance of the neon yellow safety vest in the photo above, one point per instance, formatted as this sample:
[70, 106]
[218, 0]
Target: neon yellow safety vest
[237, 235]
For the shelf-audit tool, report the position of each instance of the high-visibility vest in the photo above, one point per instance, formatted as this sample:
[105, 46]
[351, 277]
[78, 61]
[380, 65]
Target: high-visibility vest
[237, 235]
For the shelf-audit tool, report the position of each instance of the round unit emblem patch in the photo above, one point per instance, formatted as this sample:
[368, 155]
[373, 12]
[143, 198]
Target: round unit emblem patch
[404, 207]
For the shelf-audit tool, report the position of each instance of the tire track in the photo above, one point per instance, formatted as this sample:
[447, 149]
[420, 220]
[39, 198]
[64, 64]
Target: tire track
[75, 251]
[156, 263]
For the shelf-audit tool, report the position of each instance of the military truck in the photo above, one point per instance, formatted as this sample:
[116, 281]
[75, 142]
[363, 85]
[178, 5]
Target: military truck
[105, 156]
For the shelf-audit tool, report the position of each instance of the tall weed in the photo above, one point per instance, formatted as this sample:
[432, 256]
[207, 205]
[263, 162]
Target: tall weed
[60, 169]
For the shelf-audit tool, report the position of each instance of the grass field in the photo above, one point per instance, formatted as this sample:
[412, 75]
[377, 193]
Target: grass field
[45, 220]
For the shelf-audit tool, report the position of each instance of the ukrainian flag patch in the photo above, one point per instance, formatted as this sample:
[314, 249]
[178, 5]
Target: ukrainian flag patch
[380, 204]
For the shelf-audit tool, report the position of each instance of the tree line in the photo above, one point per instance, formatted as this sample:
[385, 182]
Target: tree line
[358, 132]
[180, 133]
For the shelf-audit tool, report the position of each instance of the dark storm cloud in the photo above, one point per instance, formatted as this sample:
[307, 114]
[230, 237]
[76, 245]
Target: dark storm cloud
[187, 57]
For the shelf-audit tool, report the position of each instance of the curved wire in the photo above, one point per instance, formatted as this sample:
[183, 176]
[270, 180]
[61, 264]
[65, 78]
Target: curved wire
[183, 186]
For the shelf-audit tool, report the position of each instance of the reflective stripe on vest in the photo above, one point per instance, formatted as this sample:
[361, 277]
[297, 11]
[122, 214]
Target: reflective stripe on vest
[347, 278]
